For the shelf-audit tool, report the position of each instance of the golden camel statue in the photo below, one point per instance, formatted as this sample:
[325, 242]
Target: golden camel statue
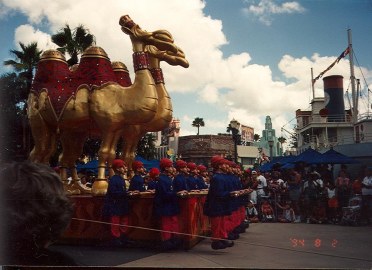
[132, 134]
[91, 101]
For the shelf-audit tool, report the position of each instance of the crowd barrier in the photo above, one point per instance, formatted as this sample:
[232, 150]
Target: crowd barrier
[89, 225]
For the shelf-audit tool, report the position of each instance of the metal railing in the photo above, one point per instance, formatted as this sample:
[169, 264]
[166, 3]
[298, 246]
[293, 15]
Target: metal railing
[317, 119]
[316, 143]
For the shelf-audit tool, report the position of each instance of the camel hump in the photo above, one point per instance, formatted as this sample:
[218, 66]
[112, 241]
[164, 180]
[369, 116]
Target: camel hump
[121, 73]
[119, 66]
[51, 69]
[94, 51]
[94, 68]
[52, 55]
[53, 76]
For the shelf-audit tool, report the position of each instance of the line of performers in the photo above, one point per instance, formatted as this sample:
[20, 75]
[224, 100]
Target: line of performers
[225, 202]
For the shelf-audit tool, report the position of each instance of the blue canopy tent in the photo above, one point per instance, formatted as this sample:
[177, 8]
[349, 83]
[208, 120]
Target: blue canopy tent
[280, 160]
[148, 164]
[309, 156]
[334, 157]
[92, 166]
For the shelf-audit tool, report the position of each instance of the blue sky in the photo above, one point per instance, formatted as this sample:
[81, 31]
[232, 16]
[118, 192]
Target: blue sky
[248, 59]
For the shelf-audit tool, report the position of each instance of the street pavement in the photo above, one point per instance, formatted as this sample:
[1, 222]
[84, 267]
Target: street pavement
[263, 246]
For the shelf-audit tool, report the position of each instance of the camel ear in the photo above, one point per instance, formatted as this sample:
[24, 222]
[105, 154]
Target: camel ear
[163, 35]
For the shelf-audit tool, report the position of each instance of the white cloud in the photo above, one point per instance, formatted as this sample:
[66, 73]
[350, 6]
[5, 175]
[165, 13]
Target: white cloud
[264, 9]
[27, 34]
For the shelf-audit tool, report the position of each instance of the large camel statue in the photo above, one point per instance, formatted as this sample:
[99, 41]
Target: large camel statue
[69, 105]
[132, 134]
[113, 108]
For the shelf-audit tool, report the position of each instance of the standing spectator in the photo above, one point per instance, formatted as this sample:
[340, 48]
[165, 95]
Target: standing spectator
[253, 183]
[137, 183]
[356, 187]
[312, 189]
[318, 213]
[116, 205]
[294, 182]
[166, 206]
[34, 211]
[343, 189]
[261, 185]
[333, 212]
[367, 194]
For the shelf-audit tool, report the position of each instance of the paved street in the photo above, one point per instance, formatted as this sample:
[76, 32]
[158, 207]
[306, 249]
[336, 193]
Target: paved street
[264, 245]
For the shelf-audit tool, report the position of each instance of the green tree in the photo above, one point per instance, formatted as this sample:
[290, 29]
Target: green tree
[12, 118]
[293, 139]
[73, 42]
[256, 137]
[235, 134]
[146, 147]
[15, 87]
[25, 63]
[198, 122]
[282, 140]
[229, 129]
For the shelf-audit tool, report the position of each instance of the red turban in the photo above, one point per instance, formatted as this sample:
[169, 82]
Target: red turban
[191, 165]
[215, 159]
[154, 172]
[202, 168]
[136, 165]
[118, 163]
[180, 164]
[165, 162]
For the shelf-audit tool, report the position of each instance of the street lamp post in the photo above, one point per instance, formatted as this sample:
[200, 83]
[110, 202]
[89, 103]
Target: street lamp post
[235, 125]
[271, 144]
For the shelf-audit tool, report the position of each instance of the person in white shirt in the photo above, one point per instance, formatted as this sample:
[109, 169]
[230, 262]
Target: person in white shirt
[367, 194]
[262, 184]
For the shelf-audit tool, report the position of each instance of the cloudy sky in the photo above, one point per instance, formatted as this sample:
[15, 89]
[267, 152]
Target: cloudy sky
[248, 58]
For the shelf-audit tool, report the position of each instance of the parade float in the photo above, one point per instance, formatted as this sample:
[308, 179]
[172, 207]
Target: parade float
[97, 98]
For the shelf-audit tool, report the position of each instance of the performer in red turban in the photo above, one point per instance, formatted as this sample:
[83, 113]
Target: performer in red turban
[116, 205]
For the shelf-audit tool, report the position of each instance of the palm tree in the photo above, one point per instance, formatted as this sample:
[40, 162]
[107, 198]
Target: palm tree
[256, 137]
[281, 140]
[73, 42]
[25, 62]
[146, 147]
[198, 122]
[229, 129]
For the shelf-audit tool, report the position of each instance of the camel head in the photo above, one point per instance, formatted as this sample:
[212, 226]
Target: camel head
[174, 59]
[161, 39]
